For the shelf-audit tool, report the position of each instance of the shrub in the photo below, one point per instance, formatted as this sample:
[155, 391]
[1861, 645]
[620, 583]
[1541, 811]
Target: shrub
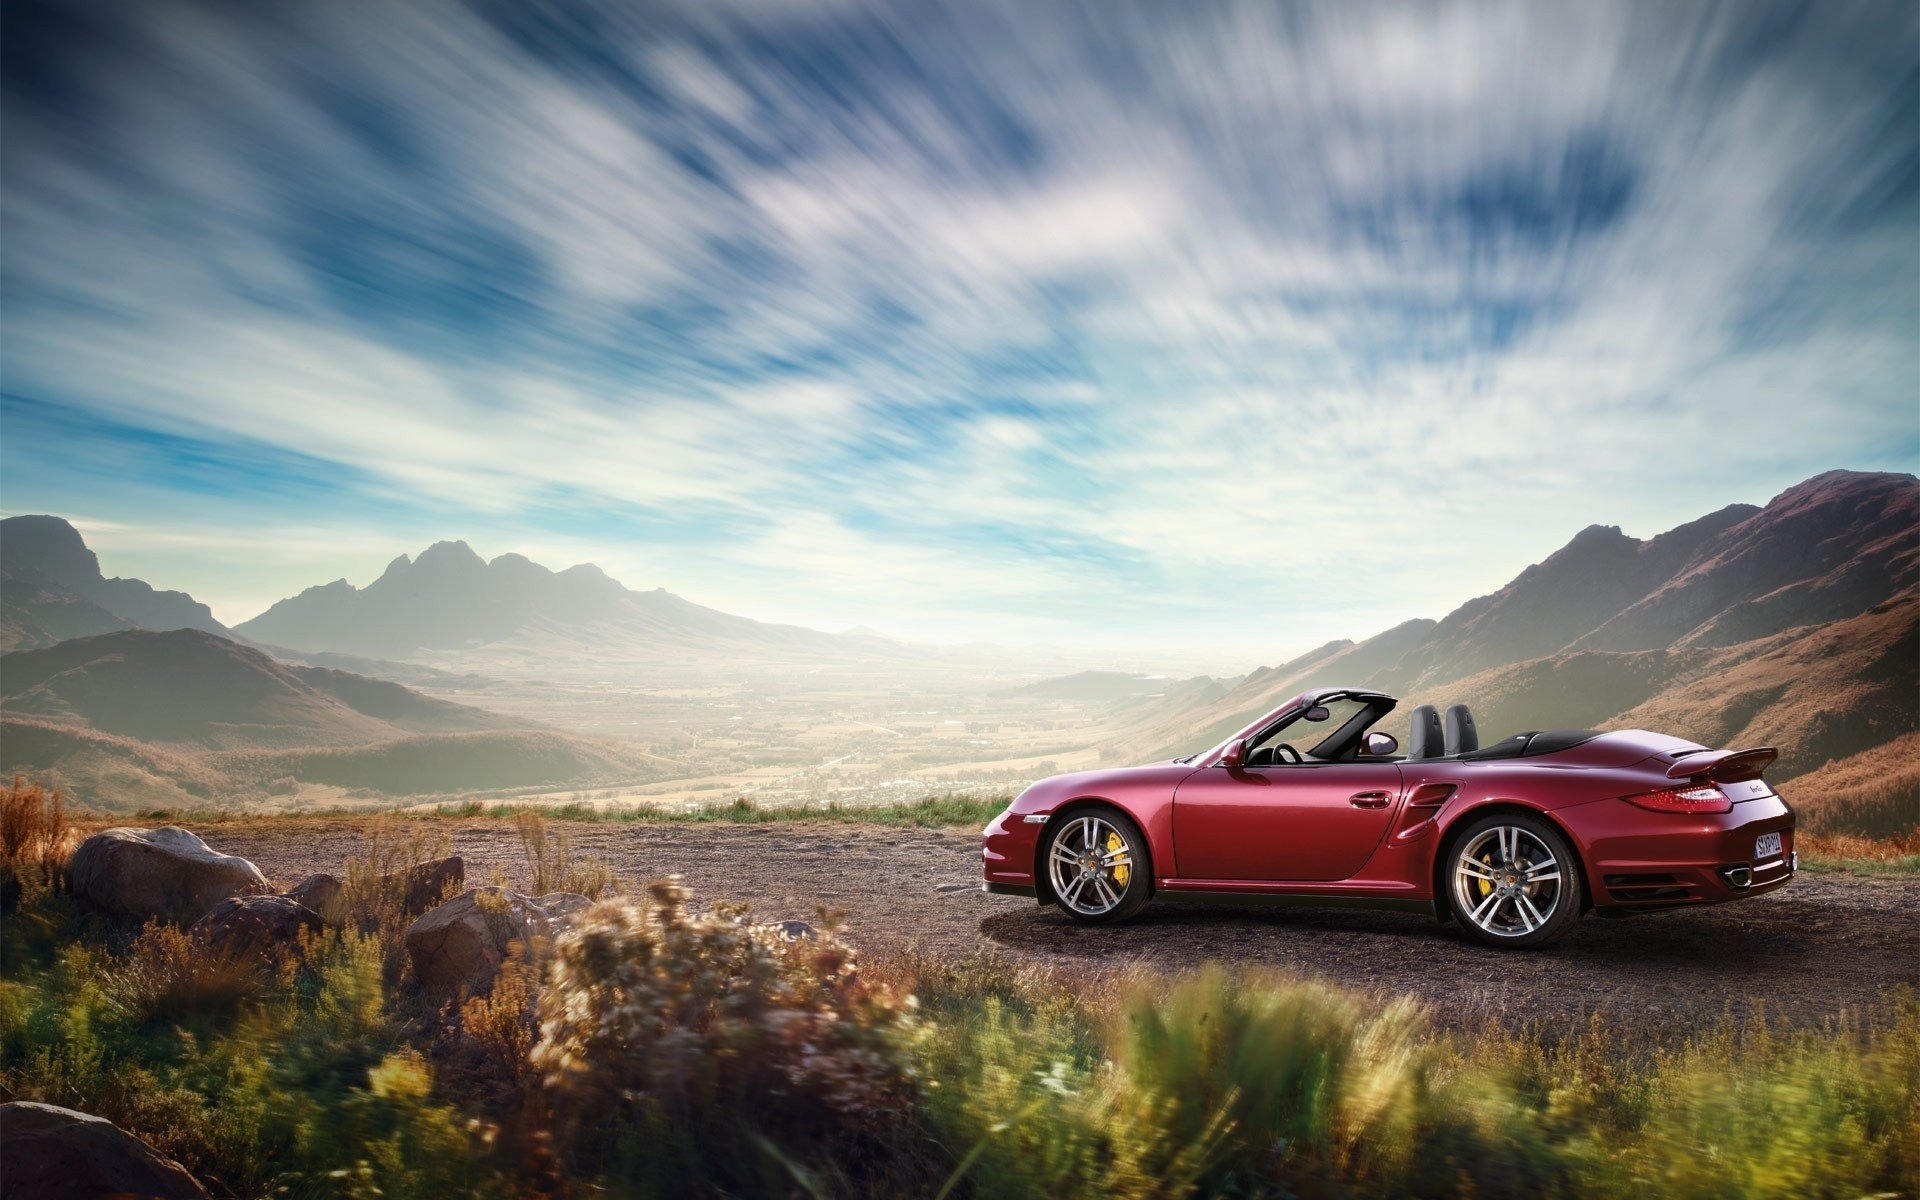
[304, 1090]
[1750, 1112]
[681, 1046]
[36, 841]
[380, 894]
[552, 865]
[166, 975]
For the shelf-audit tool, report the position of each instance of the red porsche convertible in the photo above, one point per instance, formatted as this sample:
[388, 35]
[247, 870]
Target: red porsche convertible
[1311, 804]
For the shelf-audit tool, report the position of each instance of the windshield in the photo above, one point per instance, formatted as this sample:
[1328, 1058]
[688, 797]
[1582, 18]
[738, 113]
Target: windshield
[1312, 737]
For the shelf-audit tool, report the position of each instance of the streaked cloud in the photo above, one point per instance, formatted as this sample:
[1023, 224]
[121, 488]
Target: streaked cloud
[1223, 324]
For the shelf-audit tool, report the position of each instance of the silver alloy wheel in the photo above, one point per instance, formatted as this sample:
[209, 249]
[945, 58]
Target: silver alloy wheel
[1506, 881]
[1090, 864]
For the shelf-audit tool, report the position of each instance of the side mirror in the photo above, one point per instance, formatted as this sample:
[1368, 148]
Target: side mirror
[1379, 745]
[1234, 755]
[1317, 713]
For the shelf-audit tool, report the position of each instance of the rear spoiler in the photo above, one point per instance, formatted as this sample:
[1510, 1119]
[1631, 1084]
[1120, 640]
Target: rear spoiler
[1724, 766]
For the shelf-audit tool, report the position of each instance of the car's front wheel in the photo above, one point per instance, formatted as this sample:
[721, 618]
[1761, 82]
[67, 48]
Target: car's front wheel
[1097, 865]
[1514, 881]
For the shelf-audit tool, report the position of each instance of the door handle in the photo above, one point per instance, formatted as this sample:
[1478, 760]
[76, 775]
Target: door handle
[1368, 799]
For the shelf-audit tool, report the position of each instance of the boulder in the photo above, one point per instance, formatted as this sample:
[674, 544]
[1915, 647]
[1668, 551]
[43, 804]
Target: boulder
[794, 931]
[324, 894]
[51, 1153]
[562, 907]
[428, 883]
[167, 873]
[265, 927]
[458, 948]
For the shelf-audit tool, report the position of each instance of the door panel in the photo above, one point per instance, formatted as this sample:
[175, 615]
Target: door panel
[1300, 821]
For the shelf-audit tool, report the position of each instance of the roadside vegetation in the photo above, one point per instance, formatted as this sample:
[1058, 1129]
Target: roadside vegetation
[1896, 851]
[933, 812]
[661, 1049]
[1855, 855]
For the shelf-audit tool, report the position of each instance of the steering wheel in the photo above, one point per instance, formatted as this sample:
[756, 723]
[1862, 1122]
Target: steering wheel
[1281, 748]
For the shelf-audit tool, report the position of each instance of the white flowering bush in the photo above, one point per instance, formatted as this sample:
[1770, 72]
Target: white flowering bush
[674, 1039]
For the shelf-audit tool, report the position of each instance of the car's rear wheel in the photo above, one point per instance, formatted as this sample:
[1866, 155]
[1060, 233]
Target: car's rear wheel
[1097, 865]
[1514, 881]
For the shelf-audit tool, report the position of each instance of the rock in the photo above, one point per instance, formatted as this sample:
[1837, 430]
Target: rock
[51, 1153]
[265, 927]
[794, 931]
[458, 948]
[324, 894]
[428, 883]
[562, 907]
[167, 873]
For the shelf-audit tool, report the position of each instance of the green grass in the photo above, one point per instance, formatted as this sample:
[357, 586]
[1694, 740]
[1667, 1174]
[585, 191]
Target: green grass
[1903, 864]
[1003, 1080]
[310, 1089]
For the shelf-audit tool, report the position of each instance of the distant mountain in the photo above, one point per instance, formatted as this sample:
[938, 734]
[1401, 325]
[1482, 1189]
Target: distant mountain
[189, 688]
[51, 589]
[1792, 624]
[136, 713]
[451, 599]
[1093, 687]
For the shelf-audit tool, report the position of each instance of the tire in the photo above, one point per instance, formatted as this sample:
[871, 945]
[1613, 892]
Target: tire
[1118, 890]
[1503, 892]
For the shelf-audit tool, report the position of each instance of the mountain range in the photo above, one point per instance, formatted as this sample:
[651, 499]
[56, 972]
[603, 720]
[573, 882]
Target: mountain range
[449, 599]
[1793, 624]
[445, 604]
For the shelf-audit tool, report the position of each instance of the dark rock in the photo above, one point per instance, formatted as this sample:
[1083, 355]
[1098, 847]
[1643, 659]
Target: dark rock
[51, 1153]
[428, 883]
[265, 927]
[324, 894]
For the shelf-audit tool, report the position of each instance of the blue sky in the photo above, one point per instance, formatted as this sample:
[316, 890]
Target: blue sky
[1232, 327]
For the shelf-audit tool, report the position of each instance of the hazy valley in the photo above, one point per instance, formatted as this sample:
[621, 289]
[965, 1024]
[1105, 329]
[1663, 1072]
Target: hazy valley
[452, 676]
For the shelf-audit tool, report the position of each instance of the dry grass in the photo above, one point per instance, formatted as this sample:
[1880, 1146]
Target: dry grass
[37, 839]
[1876, 793]
[167, 976]
[382, 892]
[552, 865]
[1851, 852]
[501, 1024]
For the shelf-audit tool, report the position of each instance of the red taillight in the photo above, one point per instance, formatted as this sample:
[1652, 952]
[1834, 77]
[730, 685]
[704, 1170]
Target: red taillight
[1694, 798]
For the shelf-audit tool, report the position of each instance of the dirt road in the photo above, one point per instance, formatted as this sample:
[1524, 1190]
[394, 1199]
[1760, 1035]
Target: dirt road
[1802, 954]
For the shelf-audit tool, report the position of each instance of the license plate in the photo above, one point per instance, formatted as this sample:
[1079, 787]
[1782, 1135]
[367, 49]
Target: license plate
[1767, 847]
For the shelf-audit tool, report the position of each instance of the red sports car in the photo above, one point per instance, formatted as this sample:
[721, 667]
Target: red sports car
[1311, 804]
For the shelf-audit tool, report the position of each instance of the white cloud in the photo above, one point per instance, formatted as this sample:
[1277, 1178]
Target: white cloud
[1248, 318]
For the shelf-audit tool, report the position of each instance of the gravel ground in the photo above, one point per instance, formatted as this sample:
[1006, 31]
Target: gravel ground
[1803, 954]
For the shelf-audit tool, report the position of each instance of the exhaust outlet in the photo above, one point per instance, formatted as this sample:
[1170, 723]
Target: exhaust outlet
[1738, 878]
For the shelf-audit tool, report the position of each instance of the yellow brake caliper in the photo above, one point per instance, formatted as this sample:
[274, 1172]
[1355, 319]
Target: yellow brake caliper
[1486, 885]
[1114, 846]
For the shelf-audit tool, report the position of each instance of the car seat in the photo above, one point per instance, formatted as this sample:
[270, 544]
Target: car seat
[1462, 736]
[1424, 739]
